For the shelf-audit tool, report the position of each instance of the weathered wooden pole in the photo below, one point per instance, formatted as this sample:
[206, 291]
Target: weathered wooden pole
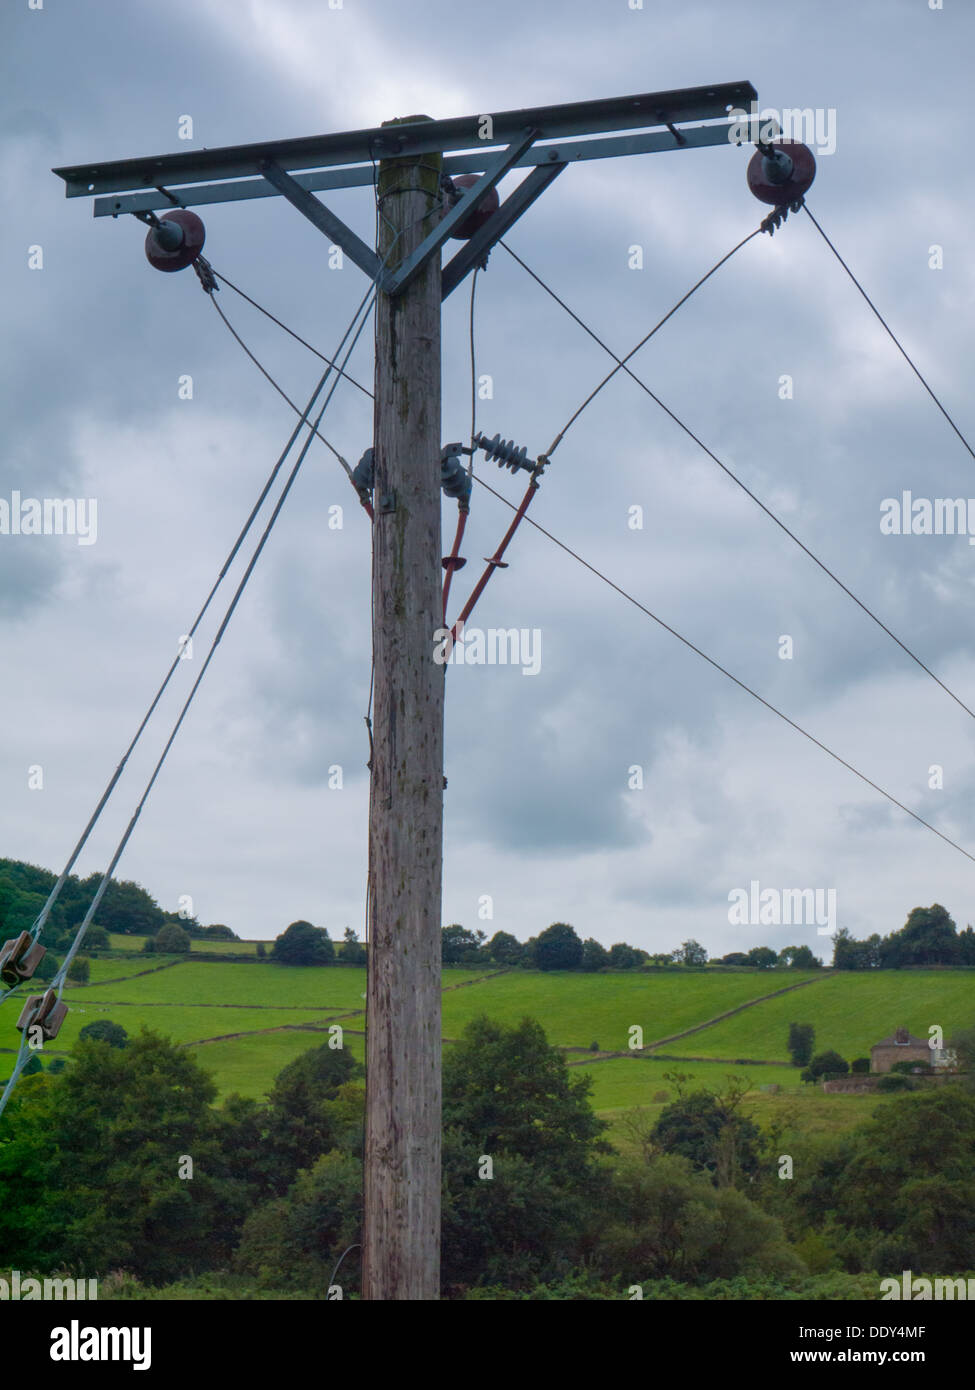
[401, 1241]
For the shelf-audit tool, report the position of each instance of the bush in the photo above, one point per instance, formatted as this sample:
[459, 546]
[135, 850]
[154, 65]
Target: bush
[261, 950]
[594, 1047]
[96, 938]
[860, 1066]
[104, 1030]
[303, 944]
[79, 970]
[895, 1081]
[172, 938]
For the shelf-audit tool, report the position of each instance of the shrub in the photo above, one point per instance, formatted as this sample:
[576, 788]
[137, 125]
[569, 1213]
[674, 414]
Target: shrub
[172, 937]
[895, 1081]
[860, 1066]
[104, 1030]
[79, 970]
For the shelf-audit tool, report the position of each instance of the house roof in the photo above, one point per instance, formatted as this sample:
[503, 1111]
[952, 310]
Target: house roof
[909, 1041]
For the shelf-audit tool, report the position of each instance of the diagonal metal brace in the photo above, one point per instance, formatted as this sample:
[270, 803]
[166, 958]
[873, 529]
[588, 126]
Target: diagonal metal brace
[495, 170]
[478, 246]
[325, 220]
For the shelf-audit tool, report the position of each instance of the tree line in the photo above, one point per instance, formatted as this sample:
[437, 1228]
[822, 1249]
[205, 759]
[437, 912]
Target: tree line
[122, 1164]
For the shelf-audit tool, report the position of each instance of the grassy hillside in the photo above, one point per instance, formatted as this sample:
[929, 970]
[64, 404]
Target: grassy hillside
[262, 1016]
[576, 1010]
[850, 1010]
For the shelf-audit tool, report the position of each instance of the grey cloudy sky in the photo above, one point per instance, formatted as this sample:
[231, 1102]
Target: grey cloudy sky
[539, 813]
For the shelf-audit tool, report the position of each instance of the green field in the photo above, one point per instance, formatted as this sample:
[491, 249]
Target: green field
[249, 1065]
[213, 948]
[621, 1083]
[265, 1015]
[577, 1010]
[850, 1010]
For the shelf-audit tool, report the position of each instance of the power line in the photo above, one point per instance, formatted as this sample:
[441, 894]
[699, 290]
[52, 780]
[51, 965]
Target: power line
[297, 336]
[57, 983]
[267, 375]
[621, 363]
[741, 684]
[890, 333]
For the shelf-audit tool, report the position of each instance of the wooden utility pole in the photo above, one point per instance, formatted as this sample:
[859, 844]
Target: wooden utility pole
[401, 1241]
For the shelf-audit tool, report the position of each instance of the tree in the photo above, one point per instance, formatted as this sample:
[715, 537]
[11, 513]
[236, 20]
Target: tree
[691, 953]
[97, 938]
[734, 958]
[303, 1121]
[928, 937]
[104, 1030]
[711, 1135]
[762, 956]
[126, 907]
[353, 951]
[172, 938]
[509, 1097]
[91, 1165]
[505, 948]
[621, 957]
[79, 970]
[799, 958]
[594, 955]
[298, 1239]
[663, 1220]
[220, 932]
[558, 948]
[826, 1064]
[261, 951]
[802, 1038]
[459, 945]
[303, 944]
[901, 1185]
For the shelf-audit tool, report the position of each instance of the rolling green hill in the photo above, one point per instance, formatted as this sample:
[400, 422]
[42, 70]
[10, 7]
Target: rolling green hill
[247, 1021]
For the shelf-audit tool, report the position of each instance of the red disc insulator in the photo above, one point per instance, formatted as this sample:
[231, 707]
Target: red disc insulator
[486, 207]
[190, 246]
[792, 188]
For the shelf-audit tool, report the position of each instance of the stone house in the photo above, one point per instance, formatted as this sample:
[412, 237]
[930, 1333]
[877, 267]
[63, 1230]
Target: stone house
[901, 1046]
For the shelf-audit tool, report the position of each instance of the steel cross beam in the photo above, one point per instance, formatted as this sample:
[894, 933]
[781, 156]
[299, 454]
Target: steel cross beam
[542, 138]
[496, 170]
[477, 247]
[643, 112]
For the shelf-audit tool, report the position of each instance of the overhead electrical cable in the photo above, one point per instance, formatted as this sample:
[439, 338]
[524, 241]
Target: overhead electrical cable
[740, 683]
[890, 333]
[621, 363]
[57, 983]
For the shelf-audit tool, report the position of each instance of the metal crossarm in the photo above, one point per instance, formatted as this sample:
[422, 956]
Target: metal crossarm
[495, 171]
[477, 247]
[661, 112]
[326, 221]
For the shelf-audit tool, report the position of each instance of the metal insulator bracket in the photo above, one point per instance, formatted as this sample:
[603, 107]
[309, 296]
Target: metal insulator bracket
[454, 477]
[44, 1011]
[19, 958]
